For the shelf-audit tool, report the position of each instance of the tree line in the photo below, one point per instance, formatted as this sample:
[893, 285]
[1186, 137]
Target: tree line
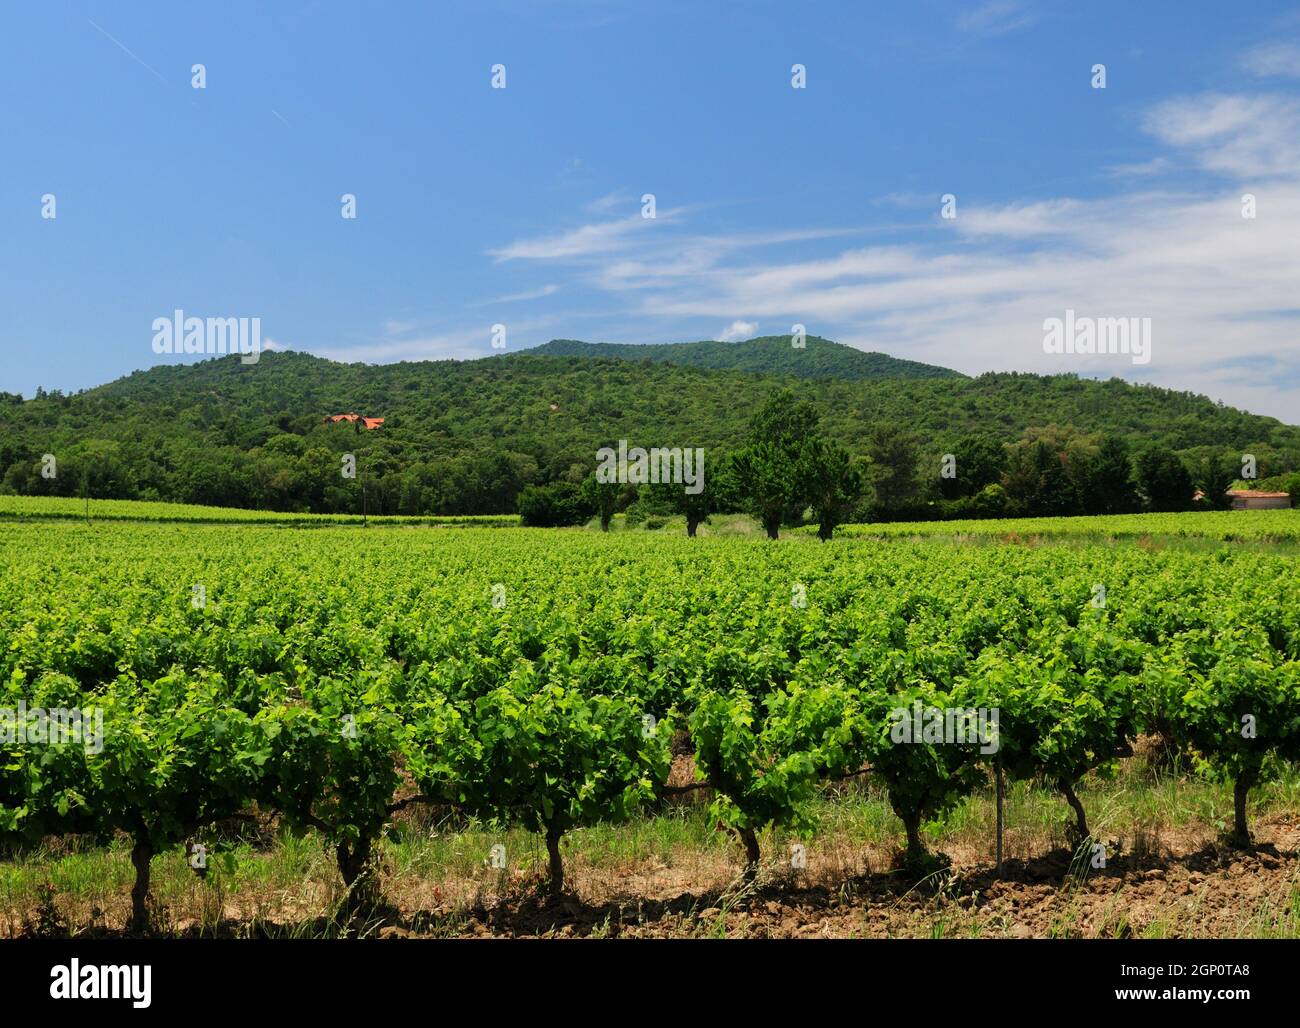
[791, 472]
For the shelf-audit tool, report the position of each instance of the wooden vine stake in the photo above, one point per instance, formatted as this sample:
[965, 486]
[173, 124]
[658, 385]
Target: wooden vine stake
[997, 771]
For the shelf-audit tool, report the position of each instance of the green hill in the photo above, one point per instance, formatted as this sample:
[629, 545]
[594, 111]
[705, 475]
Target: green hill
[463, 437]
[765, 355]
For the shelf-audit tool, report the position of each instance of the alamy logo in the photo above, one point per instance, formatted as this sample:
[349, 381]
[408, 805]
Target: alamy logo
[110, 981]
[961, 726]
[179, 334]
[1098, 336]
[638, 466]
[57, 725]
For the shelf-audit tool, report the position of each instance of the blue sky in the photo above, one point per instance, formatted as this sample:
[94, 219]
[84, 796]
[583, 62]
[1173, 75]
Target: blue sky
[775, 205]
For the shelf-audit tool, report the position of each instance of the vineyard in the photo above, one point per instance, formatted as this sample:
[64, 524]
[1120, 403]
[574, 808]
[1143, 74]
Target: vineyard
[548, 681]
[67, 508]
[1261, 526]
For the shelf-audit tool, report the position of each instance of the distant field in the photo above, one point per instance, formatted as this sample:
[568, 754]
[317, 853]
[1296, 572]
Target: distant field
[1224, 526]
[1263, 526]
[138, 510]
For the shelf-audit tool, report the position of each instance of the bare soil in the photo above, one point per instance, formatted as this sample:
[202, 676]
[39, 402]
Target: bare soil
[1210, 891]
[1185, 885]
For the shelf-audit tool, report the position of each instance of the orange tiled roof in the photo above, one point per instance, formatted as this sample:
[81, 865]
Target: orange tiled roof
[1257, 494]
[370, 423]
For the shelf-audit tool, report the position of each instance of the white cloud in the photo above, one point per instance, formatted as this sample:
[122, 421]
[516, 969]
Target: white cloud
[738, 330]
[1273, 59]
[1212, 282]
[1023, 221]
[973, 294]
[1249, 137]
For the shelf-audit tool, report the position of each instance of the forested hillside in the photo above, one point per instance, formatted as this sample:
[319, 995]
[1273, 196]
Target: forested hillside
[766, 355]
[464, 437]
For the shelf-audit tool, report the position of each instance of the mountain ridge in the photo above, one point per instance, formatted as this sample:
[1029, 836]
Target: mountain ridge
[817, 358]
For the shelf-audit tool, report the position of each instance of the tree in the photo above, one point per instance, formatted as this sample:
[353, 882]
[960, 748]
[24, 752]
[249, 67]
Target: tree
[723, 484]
[770, 469]
[1056, 470]
[553, 506]
[601, 497]
[1036, 479]
[695, 507]
[1107, 481]
[989, 502]
[894, 453]
[979, 461]
[834, 483]
[784, 420]
[770, 480]
[1163, 479]
[1214, 477]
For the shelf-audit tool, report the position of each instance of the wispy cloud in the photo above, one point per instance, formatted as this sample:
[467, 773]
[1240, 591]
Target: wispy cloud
[466, 342]
[527, 294]
[1152, 167]
[1023, 221]
[461, 344]
[1280, 59]
[584, 241]
[610, 201]
[1244, 136]
[912, 200]
[1218, 287]
[996, 18]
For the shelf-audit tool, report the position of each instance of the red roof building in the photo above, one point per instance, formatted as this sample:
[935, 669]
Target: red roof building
[1258, 499]
[369, 423]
